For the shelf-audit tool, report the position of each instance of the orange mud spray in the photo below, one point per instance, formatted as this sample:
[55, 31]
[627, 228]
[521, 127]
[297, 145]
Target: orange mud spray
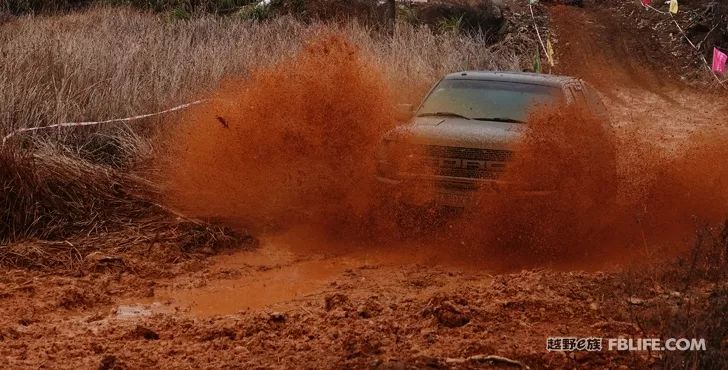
[293, 145]
[618, 196]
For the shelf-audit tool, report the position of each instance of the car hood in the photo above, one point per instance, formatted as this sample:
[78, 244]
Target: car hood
[459, 132]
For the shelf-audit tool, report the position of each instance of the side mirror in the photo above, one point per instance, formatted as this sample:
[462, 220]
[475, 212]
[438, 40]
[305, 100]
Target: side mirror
[404, 112]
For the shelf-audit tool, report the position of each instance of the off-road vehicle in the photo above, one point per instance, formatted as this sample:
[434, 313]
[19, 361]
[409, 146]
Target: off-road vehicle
[461, 137]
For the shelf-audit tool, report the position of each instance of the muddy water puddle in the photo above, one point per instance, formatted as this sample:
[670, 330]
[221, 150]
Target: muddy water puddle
[277, 285]
[289, 269]
[274, 274]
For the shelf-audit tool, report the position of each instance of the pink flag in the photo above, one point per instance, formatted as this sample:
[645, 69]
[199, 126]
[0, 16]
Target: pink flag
[645, 2]
[719, 60]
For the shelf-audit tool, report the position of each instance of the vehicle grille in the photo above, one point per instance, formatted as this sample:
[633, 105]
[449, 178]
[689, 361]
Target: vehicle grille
[433, 160]
[467, 153]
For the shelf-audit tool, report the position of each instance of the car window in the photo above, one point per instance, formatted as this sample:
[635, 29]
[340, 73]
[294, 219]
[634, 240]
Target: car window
[476, 99]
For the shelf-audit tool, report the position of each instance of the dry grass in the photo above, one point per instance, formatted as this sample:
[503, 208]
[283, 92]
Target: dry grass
[61, 196]
[65, 208]
[50, 6]
[111, 62]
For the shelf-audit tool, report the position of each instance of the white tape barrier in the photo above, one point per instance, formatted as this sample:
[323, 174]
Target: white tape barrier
[93, 123]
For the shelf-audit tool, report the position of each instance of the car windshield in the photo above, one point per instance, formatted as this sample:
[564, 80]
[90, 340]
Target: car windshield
[487, 100]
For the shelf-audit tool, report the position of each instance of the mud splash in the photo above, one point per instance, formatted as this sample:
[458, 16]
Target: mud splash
[291, 144]
[618, 198]
[563, 201]
[294, 145]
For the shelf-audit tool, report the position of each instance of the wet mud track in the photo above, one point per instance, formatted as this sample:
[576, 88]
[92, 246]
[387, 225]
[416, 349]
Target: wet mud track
[286, 307]
[281, 310]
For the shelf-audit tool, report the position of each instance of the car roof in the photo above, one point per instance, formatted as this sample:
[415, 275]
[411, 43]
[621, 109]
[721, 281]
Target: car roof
[517, 77]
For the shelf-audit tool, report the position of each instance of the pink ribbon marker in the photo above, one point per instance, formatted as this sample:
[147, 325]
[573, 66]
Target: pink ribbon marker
[719, 60]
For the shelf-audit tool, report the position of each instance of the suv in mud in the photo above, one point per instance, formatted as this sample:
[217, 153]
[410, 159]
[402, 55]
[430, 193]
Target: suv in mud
[461, 137]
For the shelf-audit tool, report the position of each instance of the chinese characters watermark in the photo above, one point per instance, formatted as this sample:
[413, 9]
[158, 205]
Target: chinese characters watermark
[594, 344]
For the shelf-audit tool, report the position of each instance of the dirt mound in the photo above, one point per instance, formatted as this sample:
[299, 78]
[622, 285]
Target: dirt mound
[606, 52]
[622, 45]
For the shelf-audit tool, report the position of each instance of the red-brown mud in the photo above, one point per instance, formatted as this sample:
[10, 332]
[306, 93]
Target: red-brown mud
[614, 194]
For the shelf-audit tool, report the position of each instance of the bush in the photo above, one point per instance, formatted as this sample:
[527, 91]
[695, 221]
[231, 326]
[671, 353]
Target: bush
[450, 16]
[707, 321]
[51, 195]
[364, 11]
[70, 208]
[709, 25]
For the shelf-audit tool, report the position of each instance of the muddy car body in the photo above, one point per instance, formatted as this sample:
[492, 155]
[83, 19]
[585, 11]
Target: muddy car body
[462, 136]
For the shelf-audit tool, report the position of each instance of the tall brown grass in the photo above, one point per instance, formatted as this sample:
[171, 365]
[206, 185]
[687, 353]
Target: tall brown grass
[111, 62]
[69, 207]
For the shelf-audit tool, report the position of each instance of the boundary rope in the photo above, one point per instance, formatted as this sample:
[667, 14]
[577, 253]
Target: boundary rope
[94, 123]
